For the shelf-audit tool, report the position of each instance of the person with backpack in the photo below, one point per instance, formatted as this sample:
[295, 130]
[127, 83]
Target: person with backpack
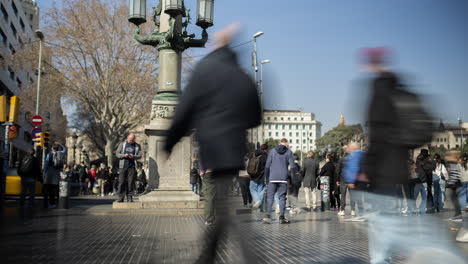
[425, 166]
[29, 171]
[277, 174]
[310, 172]
[256, 170]
[54, 162]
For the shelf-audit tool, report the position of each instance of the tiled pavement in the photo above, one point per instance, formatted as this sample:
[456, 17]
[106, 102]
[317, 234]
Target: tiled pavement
[75, 236]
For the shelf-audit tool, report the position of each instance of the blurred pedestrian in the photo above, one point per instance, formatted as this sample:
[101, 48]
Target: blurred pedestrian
[425, 166]
[439, 175]
[194, 180]
[353, 176]
[221, 103]
[310, 172]
[29, 170]
[256, 170]
[92, 176]
[463, 192]
[84, 179]
[74, 176]
[327, 175]
[294, 184]
[244, 184]
[276, 170]
[454, 183]
[128, 152]
[54, 163]
[102, 178]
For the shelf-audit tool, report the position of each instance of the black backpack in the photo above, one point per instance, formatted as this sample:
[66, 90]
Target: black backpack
[27, 165]
[254, 167]
[414, 125]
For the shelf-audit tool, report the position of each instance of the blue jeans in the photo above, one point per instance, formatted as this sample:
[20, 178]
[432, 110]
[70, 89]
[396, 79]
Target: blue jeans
[439, 193]
[421, 188]
[463, 194]
[281, 189]
[194, 188]
[28, 184]
[257, 189]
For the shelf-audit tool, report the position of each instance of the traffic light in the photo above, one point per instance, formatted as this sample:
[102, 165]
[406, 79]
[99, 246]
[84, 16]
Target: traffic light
[14, 109]
[39, 140]
[3, 109]
[46, 138]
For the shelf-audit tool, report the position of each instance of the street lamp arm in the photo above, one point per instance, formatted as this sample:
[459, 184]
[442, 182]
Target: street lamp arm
[160, 40]
[190, 42]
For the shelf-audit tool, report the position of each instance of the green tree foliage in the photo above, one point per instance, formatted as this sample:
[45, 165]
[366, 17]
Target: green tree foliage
[334, 140]
[437, 150]
[271, 143]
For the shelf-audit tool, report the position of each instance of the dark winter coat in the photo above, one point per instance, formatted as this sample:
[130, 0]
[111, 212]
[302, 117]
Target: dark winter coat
[310, 172]
[279, 160]
[35, 172]
[220, 102]
[194, 176]
[425, 168]
[385, 163]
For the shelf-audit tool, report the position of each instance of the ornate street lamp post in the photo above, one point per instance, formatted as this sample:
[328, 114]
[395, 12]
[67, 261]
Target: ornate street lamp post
[74, 140]
[171, 19]
[170, 37]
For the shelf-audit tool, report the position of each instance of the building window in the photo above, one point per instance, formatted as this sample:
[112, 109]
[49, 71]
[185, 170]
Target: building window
[22, 24]
[310, 135]
[297, 141]
[284, 134]
[303, 141]
[276, 126]
[275, 118]
[269, 126]
[3, 37]
[437, 140]
[269, 134]
[4, 13]
[15, 9]
[311, 141]
[290, 134]
[297, 126]
[282, 119]
[445, 139]
[295, 119]
[456, 146]
[12, 73]
[13, 29]
[283, 126]
[268, 118]
[31, 17]
[297, 134]
[303, 127]
[304, 134]
[276, 134]
[12, 50]
[290, 126]
[289, 119]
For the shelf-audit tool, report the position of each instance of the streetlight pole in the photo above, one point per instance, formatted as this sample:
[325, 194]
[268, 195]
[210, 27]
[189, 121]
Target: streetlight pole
[262, 99]
[460, 122]
[255, 65]
[39, 35]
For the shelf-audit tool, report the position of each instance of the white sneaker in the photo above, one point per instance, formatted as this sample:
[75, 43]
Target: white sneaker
[341, 213]
[353, 213]
[277, 209]
[256, 204]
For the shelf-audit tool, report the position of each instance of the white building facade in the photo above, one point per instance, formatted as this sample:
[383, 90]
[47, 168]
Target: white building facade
[300, 128]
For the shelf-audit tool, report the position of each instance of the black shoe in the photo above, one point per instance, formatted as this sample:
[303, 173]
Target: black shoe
[283, 220]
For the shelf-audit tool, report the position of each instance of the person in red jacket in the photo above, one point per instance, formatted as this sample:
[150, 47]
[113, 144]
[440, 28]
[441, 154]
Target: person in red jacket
[92, 178]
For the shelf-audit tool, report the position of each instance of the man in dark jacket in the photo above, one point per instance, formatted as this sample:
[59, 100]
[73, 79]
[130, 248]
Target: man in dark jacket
[257, 180]
[29, 170]
[386, 163]
[277, 173]
[310, 171]
[220, 102]
[426, 166]
[128, 152]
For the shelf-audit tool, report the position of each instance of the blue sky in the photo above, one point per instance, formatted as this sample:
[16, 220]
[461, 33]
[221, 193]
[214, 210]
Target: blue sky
[313, 47]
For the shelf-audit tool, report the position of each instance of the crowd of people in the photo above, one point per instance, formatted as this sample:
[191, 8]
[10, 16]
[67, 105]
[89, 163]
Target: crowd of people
[99, 180]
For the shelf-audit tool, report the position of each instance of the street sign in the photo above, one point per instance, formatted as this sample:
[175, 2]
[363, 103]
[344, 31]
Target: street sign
[37, 120]
[35, 131]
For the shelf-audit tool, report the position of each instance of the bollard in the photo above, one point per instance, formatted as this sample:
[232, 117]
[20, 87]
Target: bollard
[64, 193]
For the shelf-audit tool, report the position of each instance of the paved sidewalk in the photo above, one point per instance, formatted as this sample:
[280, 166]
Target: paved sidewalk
[76, 236]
